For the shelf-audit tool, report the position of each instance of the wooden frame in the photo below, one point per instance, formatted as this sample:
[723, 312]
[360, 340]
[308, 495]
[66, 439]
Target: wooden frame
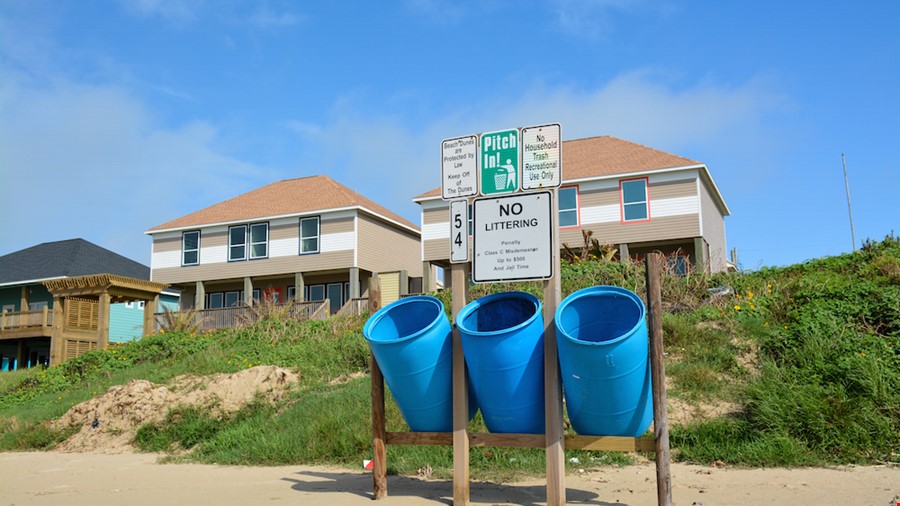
[553, 440]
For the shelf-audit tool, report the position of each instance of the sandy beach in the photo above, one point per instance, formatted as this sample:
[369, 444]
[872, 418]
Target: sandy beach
[52, 478]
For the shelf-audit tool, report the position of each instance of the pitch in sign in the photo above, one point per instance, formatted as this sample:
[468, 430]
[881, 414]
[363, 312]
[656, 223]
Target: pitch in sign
[499, 162]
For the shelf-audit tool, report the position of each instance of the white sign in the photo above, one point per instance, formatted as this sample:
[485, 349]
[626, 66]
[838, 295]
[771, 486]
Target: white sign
[541, 157]
[512, 238]
[459, 231]
[459, 167]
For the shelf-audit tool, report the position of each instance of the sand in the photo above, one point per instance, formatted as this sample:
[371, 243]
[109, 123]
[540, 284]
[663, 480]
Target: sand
[55, 478]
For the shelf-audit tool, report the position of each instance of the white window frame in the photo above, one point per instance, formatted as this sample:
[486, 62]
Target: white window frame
[232, 246]
[317, 286]
[129, 304]
[572, 209]
[185, 251]
[264, 242]
[209, 297]
[317, 237]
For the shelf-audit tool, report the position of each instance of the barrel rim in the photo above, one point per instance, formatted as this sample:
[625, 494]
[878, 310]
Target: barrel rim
[381, 313]
[598, 290]
[475, 304]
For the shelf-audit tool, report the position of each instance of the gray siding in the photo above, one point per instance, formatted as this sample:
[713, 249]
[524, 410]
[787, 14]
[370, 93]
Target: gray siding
[713, 230]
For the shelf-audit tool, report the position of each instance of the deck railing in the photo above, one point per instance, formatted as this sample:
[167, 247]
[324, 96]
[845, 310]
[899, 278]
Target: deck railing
[17, 320]
[355, 307]
[227, 317]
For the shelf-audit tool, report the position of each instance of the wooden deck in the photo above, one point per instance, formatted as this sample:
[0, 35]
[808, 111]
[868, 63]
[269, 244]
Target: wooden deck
[20, 324]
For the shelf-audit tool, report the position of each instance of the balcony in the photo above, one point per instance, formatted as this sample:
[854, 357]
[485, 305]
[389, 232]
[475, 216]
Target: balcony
[20, 324]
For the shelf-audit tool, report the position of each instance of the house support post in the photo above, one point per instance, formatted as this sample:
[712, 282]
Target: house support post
[200, 296]
[23, 303]
[623, 252]
[427, 277]
[20, 355]
[299, 285]
[354, 283]
[56, 335]
[700, 256]
[404, 283]
[103, 321]
[248, 291]
[150, 315]
[374, 293]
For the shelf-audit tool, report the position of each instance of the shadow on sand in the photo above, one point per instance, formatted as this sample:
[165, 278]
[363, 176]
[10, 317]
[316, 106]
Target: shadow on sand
[434, 492]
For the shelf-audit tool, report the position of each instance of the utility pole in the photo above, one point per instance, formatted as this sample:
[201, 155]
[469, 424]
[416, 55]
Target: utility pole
[849, 209]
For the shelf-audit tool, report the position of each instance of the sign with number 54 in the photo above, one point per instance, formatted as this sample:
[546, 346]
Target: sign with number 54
[459, 231]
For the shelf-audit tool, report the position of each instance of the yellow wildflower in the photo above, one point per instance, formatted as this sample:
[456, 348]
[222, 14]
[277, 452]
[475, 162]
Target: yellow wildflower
[737, 308]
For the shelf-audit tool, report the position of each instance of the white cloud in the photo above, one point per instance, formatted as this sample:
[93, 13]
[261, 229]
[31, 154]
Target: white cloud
[398, 160]
[92, 162]
[593, 19]
[266, 18]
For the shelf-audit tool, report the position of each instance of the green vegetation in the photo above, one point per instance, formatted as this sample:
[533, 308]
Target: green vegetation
[792, 366]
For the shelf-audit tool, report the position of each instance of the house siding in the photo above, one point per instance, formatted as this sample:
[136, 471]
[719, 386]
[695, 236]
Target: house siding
[383, 247]
[336, 246]
[713, 229]
[674, 214]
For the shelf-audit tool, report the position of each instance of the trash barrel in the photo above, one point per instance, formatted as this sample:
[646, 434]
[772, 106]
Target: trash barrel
[503, 343]
[603, 358]
[411, 342]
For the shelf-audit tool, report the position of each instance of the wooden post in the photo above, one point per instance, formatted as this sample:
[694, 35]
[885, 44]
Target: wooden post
[379, 453]
[103, 321]
[459, 280]
[248, 291]
[3, 320]
[658, 370]
[44, 319]
[150, 315]
[56, 335]
[554, 436]
[374, 293]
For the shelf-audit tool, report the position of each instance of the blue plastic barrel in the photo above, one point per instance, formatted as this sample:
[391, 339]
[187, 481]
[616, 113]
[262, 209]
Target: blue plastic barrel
[411, 342]
[603, 358]
[503, 342]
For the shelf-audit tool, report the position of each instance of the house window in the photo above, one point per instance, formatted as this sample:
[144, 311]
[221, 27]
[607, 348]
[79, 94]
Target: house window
[140, 304]
[129, 304]
[259, 240]
[190, 248]
[37, 306]
[309, 235]
[346, 292]
[335, 296]
[237, 243]
[316, 292]
[677, 265]
[568, 207]
[292, 292]
[232, 299]
[216, 300]
[635, 204]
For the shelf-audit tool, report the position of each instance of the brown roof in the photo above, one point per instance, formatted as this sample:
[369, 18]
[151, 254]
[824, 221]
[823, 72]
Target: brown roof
[607, 156]
[291, 196]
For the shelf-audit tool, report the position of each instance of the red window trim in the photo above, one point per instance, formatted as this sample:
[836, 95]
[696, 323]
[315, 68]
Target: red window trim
[622, 219]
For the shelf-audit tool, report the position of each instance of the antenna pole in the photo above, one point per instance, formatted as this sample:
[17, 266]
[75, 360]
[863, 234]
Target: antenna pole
[849, 209]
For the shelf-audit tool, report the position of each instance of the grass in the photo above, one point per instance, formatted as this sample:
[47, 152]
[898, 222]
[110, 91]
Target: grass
[810, 355]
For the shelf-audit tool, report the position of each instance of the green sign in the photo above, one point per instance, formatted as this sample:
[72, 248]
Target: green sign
[500, 162]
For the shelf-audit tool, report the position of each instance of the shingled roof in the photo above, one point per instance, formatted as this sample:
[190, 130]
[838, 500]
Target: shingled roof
[606, 156]
[283, 198]
[73, 257]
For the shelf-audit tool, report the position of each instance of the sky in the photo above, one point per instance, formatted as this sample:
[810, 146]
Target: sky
[118, 116]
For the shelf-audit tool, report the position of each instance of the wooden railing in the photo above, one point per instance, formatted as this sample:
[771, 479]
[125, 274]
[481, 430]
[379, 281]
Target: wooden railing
[17, 320]
[355, 307]
[212, 319]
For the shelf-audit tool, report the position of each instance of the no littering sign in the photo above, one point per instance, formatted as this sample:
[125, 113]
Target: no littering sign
[512, 239]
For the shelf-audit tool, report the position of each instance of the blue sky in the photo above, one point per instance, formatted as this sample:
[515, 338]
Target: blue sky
[117, 116]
